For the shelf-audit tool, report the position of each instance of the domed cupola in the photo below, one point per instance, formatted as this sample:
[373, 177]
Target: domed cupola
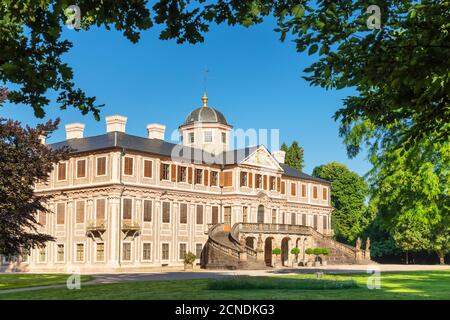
[205, 114]
[206, 128]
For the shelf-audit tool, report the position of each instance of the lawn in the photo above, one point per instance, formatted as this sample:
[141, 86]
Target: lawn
[13, 281]
[394, 285]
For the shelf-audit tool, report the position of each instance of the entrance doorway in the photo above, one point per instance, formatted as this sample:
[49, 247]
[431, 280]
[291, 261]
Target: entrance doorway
[268, 251]
[227, 219]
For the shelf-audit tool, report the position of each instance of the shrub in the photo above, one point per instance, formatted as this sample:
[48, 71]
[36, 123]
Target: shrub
[276, 251]
[309, 251]
[189, 258]
[295, 251]
[325, 251]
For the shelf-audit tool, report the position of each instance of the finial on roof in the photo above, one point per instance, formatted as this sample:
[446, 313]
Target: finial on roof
[205, 100]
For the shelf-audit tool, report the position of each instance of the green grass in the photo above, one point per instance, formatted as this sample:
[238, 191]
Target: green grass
[14, 281]
[263, 283]
[394, 285]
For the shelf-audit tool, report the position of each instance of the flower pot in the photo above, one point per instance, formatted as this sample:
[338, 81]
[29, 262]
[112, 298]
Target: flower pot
[188, 266]
[317, 264]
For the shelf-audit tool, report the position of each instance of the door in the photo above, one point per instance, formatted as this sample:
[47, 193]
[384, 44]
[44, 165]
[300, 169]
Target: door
[227, 219]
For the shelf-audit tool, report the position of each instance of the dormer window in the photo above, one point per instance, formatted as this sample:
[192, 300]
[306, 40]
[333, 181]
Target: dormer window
[208, 137]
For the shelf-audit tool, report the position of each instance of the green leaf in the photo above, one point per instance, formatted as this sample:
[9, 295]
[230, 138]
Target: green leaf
[298, 11]
[313, 49]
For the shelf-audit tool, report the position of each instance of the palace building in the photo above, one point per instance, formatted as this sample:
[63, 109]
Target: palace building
[124, 202]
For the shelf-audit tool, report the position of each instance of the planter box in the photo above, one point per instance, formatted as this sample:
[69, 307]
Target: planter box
[188, 266]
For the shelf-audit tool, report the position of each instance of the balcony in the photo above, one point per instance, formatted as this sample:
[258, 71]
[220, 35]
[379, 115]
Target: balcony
[131, 228]
[96, 228]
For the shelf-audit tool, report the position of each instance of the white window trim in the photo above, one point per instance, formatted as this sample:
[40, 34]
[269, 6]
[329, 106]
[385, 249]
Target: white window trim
[84, 212]
[143, 208]
[326, 190]
[76, 252]
[122, 252]
[132, 207]
[169, 173]
[56, 215]
[187, 250]
[106, 166]
[85, 168]
[315, 186]
[151, 251]
[67, 171]
[143, 168]
[132, 166]
[205, 134]
[201, 179]
[168, 243]
[306, 190]
[106, 209]
[104, 253]
[64, 256]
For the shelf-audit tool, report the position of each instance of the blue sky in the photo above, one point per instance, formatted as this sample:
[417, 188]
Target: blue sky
[254, 79]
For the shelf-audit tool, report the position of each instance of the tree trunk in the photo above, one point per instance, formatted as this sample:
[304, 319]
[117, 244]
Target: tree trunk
[441, 256]
[407, 260]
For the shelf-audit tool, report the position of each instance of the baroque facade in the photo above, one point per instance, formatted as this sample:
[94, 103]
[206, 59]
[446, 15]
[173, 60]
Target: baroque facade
[123, 202]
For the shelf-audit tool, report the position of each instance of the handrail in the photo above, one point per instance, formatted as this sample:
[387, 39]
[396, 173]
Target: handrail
[211, 237]
[233, 235]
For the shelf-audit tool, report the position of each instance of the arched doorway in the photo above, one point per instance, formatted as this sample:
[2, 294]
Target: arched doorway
[285, 251]
[260, 218]
[250, 242]
[268, 251]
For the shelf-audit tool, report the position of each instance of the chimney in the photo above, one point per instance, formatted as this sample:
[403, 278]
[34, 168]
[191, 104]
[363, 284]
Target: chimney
[279, 155]
[156, 131]
[42, 138]
[115, 123]
[74, 131]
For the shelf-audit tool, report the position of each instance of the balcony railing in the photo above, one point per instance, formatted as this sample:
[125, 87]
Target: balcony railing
[273, 227]
[129, 225]
[96, 225]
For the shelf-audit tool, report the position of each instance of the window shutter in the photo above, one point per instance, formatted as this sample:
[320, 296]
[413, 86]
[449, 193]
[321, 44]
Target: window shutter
[190, 175]
[81, 168]
[222, 179]
[228, 179]
[100, 214]
[250, 180]
[161, 171]
[278, 184]
[62, 171]
[60, 213]
[206, 177]
[147, 168]
[265, 182]
[283, 187]
[173, 172]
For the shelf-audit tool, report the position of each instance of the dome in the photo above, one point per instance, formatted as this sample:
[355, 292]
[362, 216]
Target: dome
[205, 114]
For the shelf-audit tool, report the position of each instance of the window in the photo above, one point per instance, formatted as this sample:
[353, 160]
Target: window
[60, 213]
[81, 168]
[100, 212]
[244, 179]
[224, 137]
[42, 254]
[182, 251]
[183, 213]
[80, 212]
[303, 190]
[274, 216]
[198, 250]
[293, 189]
[101, 166]
[283, 187]
[165, 251]
[273, 183]
[304, 219]
[214, 178]
[128, 166]
[208, 136]
[198, 176]
[80, 252]
[191, 137]
[324, 194]
[148, 165]
[182, 174]
[258, 182]
[60, 252]
[315, 192]
[315, 222]
[127, 208]
[165, 171]
[100, 252]
[293, 214]
[166, 212]
[199, 214]
[42, 216]
[126, 251]
[215, 215]
[324, 222]
[147, 251]
[245, 214]
[147, 210]
[62, 171]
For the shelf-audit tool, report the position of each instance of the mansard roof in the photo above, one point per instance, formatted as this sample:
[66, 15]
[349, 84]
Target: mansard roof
[119, 140]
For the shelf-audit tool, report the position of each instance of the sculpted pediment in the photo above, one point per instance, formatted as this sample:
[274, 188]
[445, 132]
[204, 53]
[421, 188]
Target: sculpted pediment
[262, 158]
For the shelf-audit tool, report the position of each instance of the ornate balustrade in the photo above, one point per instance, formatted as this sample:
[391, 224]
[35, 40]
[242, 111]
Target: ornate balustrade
[274, 228]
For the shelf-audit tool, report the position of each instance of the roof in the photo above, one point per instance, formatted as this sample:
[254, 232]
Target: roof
[205, 115]
[179, 152]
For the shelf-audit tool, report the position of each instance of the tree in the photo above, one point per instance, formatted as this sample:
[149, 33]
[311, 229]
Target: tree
[348, 195]
[3, 94]
[399, 68]
[413, 188]
[294, 155]
[24, 161]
